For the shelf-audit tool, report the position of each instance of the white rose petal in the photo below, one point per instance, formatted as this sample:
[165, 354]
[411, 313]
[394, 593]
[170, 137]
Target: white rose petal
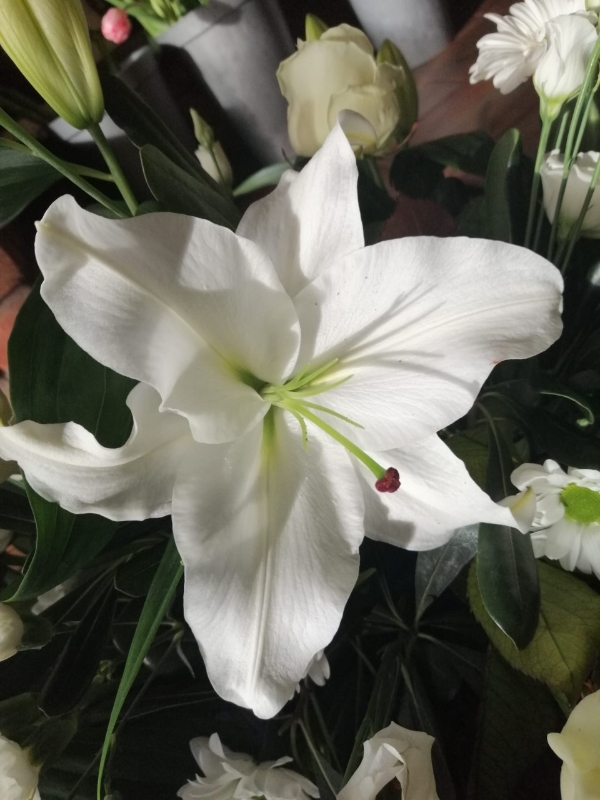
[18, 777]
[11, 631]
[578, 745]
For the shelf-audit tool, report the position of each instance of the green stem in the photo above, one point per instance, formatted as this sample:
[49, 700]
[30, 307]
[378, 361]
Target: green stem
[315, 755]
[535, 187]
[101, 141]
[87, 172]
[39, 150]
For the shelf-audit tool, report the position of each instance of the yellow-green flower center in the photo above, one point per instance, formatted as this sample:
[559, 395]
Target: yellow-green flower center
[581, 504]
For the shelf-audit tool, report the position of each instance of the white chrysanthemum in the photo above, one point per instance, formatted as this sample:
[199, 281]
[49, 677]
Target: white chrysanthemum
[510, 56]
[566, 524]
[235, 775]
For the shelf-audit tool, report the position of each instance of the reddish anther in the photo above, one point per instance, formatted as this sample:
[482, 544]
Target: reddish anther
[390, 481]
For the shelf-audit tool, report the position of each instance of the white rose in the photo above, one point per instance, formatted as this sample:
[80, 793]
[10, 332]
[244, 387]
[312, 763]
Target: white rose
[216, 163]
[561, 70]
[11, 632]
[338, 73]
[394, 753]
[578, 745]
[576, 190]
[18, 776]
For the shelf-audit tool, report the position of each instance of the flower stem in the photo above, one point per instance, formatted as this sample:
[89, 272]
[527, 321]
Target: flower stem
[87, 172]
[101, 141]
[65, 169]
[535, 187]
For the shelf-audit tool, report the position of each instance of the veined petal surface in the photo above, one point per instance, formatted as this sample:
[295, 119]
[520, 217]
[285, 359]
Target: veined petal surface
[312, 218]
[436, 496]
[65, 464]
[419, 324]
[269, 535]
[176, 302]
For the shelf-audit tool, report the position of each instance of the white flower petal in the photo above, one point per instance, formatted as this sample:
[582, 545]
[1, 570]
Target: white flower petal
[65, 464]
[269, 536]
[311, 220]
[561, 539]
[172, 301]
[419, 324]
[436, 496]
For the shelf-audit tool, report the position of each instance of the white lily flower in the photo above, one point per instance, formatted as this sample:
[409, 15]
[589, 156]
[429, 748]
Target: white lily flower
[510, 56]
[578, 184]
[394, 753]
[578, 745]
[561, 70]
[566, 516]
[258, 355]
[229, 775]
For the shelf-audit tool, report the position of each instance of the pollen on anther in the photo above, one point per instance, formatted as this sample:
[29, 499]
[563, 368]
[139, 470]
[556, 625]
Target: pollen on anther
[390, 481]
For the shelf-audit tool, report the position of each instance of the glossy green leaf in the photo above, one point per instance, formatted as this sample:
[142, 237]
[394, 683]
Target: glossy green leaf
[144, 126]
[503, 192]
[164, 584]
[23, 177]
[517, 713]
[567, 639]
[53, 380]
[180, 192]
[78, 663]
[436, 569]
[267, 176]
[15, 511]
[506, 566]
[135, 576]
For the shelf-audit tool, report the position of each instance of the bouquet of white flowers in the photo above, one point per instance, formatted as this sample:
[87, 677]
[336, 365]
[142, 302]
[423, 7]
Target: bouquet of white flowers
[276, 481]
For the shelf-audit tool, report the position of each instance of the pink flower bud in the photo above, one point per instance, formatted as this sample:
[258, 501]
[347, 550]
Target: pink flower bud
[116, 25]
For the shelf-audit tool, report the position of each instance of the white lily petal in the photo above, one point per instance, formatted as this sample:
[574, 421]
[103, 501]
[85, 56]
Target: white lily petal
[419, 323]
[65, 464]
[171, 301]
[436, 496]
[311, 220]
[269, 536]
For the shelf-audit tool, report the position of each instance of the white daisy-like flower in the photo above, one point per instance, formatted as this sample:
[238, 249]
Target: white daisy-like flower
[510, 56]
[566, 522]
[229, 775]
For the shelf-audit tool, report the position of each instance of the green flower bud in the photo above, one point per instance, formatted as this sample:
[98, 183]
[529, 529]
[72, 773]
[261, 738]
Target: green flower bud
[314, 28]
[406, 89]
[49, 42]
[202, 130]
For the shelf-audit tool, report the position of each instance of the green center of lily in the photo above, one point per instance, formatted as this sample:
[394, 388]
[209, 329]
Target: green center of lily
[293, 396]
[581, 504]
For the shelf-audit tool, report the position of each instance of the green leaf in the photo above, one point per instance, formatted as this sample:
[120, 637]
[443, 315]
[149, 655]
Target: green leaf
[516, 716]
[23, 177]
[143, 126]
[53, 380]
[506, 566]
[503, 195]
[567, 639]
[135, 576]
[182, 193]
[164, 584]
[78, 663]
[15, 511]
[436, 569]
[565, 444]
[267, 176]
[416, 171]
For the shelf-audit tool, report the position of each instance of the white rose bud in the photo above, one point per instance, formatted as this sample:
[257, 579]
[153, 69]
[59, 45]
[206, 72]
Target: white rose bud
[337, 74]
[11, 631]
[578, 745]
[576, 190]
[394, 753]
[18, 776]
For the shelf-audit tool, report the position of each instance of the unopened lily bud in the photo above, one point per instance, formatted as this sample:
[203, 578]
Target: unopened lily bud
[578, 183]
[18, 776]
[202, 130]
[314, 27]
[11, 631]
[49, 42]
[116, 25]
[216, 164]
